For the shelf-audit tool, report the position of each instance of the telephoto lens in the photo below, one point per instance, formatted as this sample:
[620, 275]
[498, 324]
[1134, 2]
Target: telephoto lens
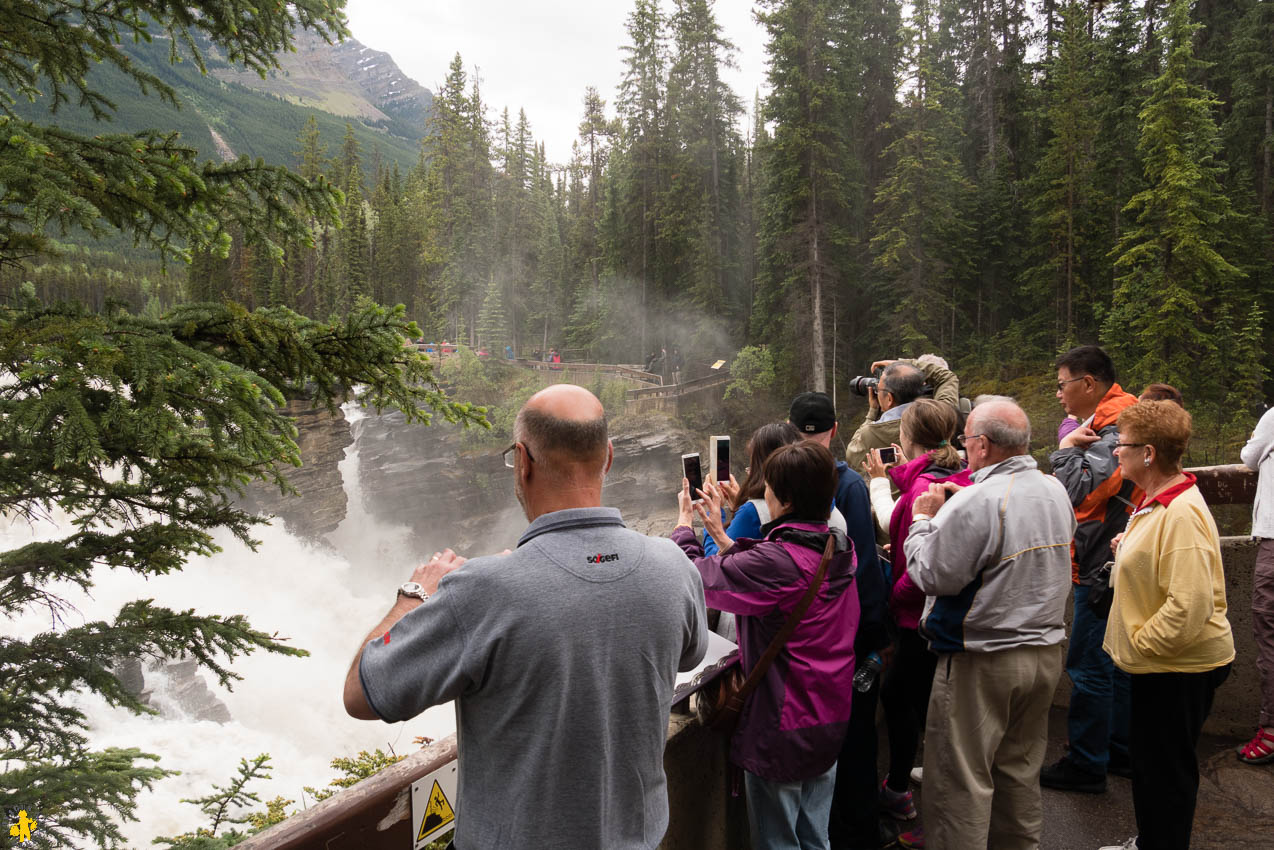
[863, 384]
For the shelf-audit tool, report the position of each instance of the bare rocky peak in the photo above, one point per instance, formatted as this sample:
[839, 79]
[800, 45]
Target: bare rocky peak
[348, 79]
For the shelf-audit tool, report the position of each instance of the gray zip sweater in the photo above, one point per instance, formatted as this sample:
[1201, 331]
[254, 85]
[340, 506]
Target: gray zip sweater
[995, 561]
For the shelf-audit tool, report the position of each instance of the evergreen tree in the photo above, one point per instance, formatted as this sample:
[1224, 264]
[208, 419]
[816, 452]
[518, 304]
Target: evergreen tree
[1065, 193]
[804, 232]
[919, 202]
[1173, 283]
[142, 430]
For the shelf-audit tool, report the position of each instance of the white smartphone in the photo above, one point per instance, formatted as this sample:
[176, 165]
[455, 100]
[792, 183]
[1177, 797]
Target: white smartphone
[691, 469]
[720, 458]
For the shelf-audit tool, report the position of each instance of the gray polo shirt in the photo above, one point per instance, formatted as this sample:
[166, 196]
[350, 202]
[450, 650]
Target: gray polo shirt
[561, 658]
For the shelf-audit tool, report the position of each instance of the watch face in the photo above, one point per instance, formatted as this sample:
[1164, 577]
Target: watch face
[412, 588]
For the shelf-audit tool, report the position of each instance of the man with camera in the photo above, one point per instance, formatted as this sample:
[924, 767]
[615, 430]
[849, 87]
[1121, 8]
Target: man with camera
[561, 656]
[897, 383]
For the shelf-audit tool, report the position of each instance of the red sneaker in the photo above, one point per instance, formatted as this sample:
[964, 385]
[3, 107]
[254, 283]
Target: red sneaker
[914, 840]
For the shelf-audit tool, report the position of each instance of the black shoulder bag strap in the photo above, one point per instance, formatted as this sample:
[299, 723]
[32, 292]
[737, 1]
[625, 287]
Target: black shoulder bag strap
[793, 620]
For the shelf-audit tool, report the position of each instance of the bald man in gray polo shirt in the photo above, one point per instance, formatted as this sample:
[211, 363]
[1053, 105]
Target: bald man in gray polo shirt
[561, 656]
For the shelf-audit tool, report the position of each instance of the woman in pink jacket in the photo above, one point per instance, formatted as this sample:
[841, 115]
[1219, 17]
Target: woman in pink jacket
[927, 433]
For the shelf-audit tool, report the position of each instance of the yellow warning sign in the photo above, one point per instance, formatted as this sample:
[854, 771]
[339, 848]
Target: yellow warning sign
[437, 814]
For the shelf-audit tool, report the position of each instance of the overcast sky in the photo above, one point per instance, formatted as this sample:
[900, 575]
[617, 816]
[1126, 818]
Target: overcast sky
[534, 56]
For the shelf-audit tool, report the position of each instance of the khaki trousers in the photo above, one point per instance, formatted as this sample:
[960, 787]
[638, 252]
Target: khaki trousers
[984, 746]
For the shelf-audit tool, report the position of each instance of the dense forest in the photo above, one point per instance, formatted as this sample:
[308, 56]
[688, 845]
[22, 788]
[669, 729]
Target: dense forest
[991, 180]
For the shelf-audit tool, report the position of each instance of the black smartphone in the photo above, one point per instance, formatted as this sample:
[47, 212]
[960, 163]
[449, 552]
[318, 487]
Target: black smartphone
[721, 458]
[693, 473]
[888, 455]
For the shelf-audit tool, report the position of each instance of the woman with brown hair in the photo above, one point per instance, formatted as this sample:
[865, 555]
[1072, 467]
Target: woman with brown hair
[747, 500]
[929, 455]
[1167, 624]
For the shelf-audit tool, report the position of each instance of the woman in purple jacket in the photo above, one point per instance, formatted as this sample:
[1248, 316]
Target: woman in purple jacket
[791, 728]
[927, 433]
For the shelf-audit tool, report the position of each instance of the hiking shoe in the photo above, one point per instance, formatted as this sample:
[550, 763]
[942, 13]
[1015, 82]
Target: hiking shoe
[897, 804]
[1064, 775]
[1130, 844]
[1120, 765]
[1260, 749]
[914, 840]
[918, 775]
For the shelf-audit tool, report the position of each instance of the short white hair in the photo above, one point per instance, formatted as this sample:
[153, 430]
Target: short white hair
[933, 360]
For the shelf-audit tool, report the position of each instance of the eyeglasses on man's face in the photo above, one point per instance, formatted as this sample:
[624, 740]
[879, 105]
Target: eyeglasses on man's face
[962, 440]
[511, 452]
[1061, 385]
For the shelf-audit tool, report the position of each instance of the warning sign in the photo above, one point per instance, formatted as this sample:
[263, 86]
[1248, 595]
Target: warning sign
[433, 812]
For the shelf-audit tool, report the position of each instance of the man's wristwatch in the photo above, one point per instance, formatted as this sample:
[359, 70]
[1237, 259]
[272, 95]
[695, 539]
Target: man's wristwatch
[413, 589]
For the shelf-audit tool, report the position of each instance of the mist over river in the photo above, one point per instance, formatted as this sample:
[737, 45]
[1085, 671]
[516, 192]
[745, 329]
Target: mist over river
[323, 596]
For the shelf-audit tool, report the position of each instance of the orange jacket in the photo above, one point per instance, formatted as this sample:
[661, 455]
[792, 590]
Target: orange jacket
[1103, 500]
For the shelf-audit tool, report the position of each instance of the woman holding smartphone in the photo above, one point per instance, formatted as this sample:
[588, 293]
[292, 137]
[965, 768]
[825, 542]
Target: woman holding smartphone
[791, 727]
[928, 455]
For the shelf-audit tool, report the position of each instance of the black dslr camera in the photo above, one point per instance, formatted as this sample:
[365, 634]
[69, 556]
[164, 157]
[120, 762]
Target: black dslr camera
[864, 384]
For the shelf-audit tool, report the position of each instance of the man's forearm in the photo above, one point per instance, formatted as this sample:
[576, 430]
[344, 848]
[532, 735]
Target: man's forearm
[355, 700]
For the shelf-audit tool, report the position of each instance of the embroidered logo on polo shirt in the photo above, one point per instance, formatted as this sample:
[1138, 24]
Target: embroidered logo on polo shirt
[602, 559]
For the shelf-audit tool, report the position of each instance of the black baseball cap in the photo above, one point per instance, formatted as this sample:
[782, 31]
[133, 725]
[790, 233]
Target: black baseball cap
[812, 413]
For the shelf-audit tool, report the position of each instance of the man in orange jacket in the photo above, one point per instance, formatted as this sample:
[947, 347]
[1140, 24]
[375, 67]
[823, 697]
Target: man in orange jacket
[1097, 720]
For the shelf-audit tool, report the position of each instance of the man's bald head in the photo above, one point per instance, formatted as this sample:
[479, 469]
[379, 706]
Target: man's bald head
[1004, 423]
[563, 426]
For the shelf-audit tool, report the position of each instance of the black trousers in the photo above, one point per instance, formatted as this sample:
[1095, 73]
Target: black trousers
[853, 822]
[1168, 710]
[905, 697]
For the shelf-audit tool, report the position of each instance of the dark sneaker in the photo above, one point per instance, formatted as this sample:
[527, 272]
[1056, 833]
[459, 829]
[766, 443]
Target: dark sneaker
[1119, 765]
[1063, 775]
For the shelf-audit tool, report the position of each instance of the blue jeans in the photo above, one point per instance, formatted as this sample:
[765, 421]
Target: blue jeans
[789, 815]
[1097, 722]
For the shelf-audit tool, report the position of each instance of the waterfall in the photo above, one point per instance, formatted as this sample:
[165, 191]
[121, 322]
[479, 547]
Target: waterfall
[314, 595]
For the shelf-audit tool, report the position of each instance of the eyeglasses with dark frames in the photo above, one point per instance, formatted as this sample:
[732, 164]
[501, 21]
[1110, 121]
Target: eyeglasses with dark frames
[509, 454]
[1129, 445]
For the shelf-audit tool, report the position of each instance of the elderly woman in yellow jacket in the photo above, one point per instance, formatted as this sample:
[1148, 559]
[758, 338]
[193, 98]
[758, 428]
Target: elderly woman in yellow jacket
[1167, 624]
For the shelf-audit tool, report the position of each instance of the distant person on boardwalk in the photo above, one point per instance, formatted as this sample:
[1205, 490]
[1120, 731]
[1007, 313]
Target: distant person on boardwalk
[1258, 454]
[792, 725]
[555, 359]
[994, 560]
[901, 383]
[1167, 625]
[651, 359]
[1097, 719]
[508, 353]
[677, 363]
[561, 655]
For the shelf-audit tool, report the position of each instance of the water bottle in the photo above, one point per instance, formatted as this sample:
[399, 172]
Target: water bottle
[867, 674]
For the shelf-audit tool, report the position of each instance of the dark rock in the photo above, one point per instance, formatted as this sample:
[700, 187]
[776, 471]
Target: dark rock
[320, 503]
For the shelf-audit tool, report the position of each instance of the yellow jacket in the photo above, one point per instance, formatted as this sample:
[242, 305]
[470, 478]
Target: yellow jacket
[1168, 614]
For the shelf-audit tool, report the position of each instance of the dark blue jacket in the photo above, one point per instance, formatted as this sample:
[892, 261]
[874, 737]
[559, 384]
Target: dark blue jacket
[854, 502]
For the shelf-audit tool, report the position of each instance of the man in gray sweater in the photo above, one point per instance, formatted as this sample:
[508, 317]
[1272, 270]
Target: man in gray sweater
[560, 656]
[994, 559]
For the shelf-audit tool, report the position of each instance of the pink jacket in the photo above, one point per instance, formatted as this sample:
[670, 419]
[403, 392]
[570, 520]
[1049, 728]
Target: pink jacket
[912, 478]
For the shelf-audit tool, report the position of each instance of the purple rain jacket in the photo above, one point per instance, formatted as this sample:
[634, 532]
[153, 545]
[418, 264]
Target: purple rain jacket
[793, 724]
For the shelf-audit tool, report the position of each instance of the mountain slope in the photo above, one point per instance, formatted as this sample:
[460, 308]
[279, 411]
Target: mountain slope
[347, 79]
[223, 118]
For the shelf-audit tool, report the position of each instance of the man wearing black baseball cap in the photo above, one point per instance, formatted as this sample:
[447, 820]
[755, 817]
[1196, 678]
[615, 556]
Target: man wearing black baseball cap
[853, 819]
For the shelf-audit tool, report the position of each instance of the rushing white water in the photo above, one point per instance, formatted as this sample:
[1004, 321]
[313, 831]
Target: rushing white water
[289, 707]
